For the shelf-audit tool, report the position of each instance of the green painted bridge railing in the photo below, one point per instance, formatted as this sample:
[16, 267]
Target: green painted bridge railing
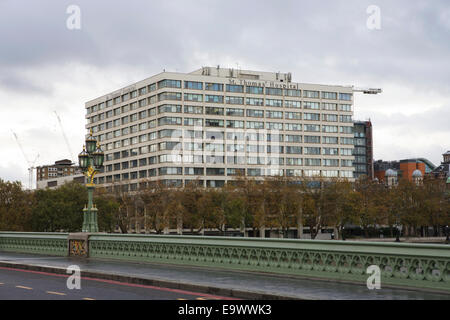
[54, 244]
[401, 264]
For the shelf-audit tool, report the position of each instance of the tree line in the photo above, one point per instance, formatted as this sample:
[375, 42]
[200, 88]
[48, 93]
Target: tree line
[275, 203]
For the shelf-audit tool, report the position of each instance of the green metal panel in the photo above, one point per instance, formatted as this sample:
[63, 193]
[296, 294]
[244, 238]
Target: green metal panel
[54, 244]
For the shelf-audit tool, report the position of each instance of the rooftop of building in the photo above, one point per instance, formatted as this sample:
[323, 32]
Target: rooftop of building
[278, 78]
[243, 74]
[395, 163]
[60, 163]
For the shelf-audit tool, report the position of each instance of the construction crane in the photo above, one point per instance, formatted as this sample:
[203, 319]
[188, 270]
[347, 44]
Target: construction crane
[65, 137]
[31, 165]
[367, 90]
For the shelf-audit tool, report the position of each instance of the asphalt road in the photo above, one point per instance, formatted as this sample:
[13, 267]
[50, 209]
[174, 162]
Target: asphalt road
[17, 284]
[207, 277]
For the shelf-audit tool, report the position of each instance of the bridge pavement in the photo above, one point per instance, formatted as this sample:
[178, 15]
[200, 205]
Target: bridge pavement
[212, 282]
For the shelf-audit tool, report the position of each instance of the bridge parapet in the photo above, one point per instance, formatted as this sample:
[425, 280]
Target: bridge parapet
[54, 244]
[401, 264]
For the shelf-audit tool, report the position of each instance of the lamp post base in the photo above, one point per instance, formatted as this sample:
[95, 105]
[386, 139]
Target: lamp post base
[90, 223]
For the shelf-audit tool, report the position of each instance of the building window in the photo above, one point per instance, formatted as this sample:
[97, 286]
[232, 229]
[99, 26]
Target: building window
[169, 121]
[330, 151]
[293, 93]
[347, 141]
[170, 171]
[274, 91]
[312, 128]
[254, 101]
[255, 113]
[233, 112]
[193, 122]
[234, 100]
[329, 106]
[170, 108]
[311, 139]
[311, 105]
[235, 124]
[193, 109]
[345, 107]
[169, 84]
[193, 97]
[329, 140]
[234, 88]
[292, 104]
[214, 123]
[169, 96]
[329, 95]
[293, 150]
[293, 138]
[274, 114]
[293, 115]
[194, 171]
[254, 90]
[213, 99]
[330, 129]
[312, 162]
[274, 126]
[193, 85]
[346, 163]
[311, 94]
[311, 116]
[344, 118]
[330, 162]
[255, 125]
[345, 96]
[214, 111]
[274, 103]
[292, 127]
[214, 86]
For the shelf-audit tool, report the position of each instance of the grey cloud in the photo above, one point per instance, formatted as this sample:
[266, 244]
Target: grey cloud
[318, 41]
[162, 34]
[434, 121]
[14, 81]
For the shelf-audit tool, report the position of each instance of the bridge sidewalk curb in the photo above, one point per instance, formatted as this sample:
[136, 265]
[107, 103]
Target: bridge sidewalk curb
[233, 293]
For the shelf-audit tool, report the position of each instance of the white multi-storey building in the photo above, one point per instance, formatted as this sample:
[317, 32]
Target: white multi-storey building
[214, 123]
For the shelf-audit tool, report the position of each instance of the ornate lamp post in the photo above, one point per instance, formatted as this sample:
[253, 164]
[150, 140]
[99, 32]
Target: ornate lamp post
[91, 161]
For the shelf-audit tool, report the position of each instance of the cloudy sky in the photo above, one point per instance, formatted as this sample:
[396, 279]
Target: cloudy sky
[46, 67]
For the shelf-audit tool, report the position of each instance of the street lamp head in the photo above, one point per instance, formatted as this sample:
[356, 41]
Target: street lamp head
[91, 143]
[83, 159]
[98, 156]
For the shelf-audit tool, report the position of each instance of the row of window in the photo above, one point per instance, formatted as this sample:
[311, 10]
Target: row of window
[221, 172]
[193, 85]
[215, 99]
[214, 147]
[240, 124]
[237, 158]
[273, 161]
[250, 113]
[313, 139]
[238, 147]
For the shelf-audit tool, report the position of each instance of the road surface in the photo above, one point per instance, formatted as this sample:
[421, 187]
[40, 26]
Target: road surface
[18, 284]
[278, 285]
